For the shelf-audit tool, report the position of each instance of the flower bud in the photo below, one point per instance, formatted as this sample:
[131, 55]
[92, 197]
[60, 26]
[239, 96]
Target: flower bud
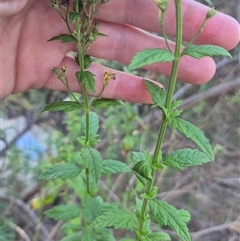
[211, 13]
[162, 4]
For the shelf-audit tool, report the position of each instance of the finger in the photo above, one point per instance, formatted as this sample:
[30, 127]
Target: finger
[124, 41]
[10, 7]
[144, 15]
[126, 87]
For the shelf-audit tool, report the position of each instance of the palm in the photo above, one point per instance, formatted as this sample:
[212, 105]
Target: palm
[29, 56]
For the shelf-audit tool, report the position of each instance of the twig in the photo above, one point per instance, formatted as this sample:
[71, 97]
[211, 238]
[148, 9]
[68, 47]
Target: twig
[27, 211]
[19, 230]
[205, 231]
[54, 230]
[214, 91]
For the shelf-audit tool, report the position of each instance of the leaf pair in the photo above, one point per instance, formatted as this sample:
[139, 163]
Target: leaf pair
[150, 56]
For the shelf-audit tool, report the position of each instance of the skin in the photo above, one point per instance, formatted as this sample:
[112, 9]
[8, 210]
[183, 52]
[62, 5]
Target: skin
[27, 57]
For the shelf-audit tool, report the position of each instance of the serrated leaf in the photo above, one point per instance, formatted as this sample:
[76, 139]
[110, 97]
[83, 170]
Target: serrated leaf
[185, 158]
[138, 156]
[103, 235]
[106, 207]
[157, 93]
[93, 161]
[143, 168]
[150, 56]
[61, 106]
[74, 15]
[93, 125]
[64, 212]
[73, 237]
[87, 61]
[113, 166]
[91, 208]
[160, 236]
[64, 38]
[103, 103]
[63, 171]
[175, 104]
[194, 133]
[87, 235]
[200, 51]
[87, 78]
[168, 215]
[185, 215]
[118, 218]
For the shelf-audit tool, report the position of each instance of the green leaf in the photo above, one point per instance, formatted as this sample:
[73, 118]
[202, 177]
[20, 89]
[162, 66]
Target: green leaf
[103, 103]
[175, 104]
[103, 235]
[160, 236]
[106, 207]
[126, 239]
[97, 235]
[93, 161]
[62, 171]
[64, 212]
[64, 38]
[185, 215]
[157, 93]
[78, 185]
[91, 208]
[194, 133]
[102, 34]
[200, 51]
[152, 194]
[6, 231]
[209, 2]
[87, 78]
[93, 125]
[150, 56]
[118, 218]
[61, 106]
[168, 215]
[87, 235]
[185, 158]
[112, 166]
[139, 156]
[87, 61]
[73, 237]
[74, 15]
[143, 168]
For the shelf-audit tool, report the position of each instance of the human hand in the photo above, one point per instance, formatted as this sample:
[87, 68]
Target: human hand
[27, 58]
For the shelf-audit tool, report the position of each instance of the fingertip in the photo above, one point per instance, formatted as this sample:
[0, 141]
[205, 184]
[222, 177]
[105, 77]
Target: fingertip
[196, 71]
[222, 30]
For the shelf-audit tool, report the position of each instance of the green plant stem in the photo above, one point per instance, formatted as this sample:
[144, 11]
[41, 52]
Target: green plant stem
[163, 29]
[81, 53]
[170, 92]
[198, 32]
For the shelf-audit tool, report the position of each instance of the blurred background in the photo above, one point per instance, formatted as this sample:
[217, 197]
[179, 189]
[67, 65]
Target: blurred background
[30, 141]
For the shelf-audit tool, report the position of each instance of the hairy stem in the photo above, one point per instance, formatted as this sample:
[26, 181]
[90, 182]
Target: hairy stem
[81, 53]
[170, 92]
